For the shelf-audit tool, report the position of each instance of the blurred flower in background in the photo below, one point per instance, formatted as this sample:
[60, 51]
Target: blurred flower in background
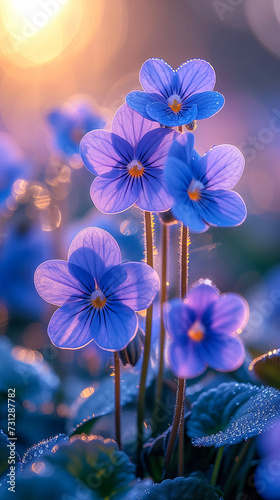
[13, 166]
[72, 121]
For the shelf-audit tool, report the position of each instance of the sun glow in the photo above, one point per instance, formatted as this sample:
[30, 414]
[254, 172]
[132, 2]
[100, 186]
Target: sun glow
[37, 31]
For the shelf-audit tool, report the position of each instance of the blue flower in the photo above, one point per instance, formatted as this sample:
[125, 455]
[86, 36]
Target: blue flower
[14, 166]
[201, 186]
[203, 330]
[73, 120]
[97, 293]
[129, 163]
[22, 249]
[176, 97]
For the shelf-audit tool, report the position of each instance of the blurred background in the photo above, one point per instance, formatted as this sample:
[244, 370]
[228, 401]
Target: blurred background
[65, 68]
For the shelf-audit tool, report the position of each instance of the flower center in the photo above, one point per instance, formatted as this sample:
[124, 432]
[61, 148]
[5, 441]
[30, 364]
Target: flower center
[197, 331]
[174, 102]
[98, 299]
[194, 190]
[135, 168]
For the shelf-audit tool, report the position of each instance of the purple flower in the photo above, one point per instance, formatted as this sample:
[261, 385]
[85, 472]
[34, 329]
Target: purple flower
[202, 328]
[176, 97]
[200, 185]
[97, 293]
[129, 164]
[73, 120]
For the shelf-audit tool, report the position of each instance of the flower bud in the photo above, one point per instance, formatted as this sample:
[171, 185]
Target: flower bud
[131, 354]
[191, 126]
[167, 218]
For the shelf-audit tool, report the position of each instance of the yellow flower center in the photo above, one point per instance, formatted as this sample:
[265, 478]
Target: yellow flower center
[135, 168]
[197, 331]
[98, 299]
[194, 190]
[174, 102]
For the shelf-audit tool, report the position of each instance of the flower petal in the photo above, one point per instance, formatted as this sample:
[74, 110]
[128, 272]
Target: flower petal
[185, 360]
[130, 125]
[69, 325]
[195, 76]
[154, 147]
[115, 192]
[101, 151]
[57, 283]
[201, 297]
[223, 166]
[139, 100]
[227, 315]
[178, 176]
[154, 196]
[223, 353]
[163, 114]
[183, 147]
[178, 318]
[222, 208]
[114, 326]
[94, 250]
[135, 284]
[188, 214]
[157, 76]
[208, 103]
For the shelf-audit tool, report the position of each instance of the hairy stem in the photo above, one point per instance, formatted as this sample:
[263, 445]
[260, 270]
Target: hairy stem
[117, 400]
[185, 242]
[147, 348]
[181, 438]
[163, 298]
[175, 425]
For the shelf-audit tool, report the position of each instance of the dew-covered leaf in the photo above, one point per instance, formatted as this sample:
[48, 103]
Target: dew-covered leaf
[134, 491]
[5, 452]
[267, 367]
[37, 451]
[213, 409]
[181, 488]
[96, 462]
[233, 413]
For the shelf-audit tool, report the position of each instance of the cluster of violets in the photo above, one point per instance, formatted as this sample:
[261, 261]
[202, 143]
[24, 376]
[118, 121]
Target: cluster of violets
[148, 160]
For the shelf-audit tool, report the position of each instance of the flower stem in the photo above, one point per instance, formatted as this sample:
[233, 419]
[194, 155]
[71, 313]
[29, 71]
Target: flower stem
[237, 462]
[185, 242]
[181, 437]
[162, 300]
[117, 400]
[217, 464]
[175, 425]
[147, 348]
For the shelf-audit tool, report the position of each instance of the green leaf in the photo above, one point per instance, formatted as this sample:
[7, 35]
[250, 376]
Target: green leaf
[37, 451]
[181, 488]
[267, 367]
[233, 413]
[96, 462]
[5, 453]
